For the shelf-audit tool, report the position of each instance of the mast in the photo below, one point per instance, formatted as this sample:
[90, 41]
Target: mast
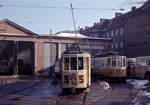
[73, 20]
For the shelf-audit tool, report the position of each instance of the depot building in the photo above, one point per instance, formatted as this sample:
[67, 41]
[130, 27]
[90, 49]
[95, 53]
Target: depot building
[23, 52]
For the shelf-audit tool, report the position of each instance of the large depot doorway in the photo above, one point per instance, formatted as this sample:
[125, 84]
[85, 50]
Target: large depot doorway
[16, 58]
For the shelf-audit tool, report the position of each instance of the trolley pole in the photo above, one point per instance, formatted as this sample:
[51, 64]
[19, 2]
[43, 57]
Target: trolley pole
[73, 20]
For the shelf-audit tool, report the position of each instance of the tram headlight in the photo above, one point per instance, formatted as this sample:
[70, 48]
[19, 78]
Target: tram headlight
[81, 78]
[66, 79]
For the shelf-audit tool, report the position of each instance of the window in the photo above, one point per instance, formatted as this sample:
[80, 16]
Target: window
[101, 63]
[73, 63]
[107, 34]
[80, 63]
[66, 63]
[112, 33]
[96, 35]
[4, 63]
[116, 32]
[91, 35]
[116, 45]
[108, 62]
[121, 44]
[121, 31]
[119, 62]
[113, 62]
[148, 62]
[112, 46]
[124, 62]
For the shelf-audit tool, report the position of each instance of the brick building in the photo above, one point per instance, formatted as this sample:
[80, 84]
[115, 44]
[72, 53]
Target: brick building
[130, 32]
[27, 53]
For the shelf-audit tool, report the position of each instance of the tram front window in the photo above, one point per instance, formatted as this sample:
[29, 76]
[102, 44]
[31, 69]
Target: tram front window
[73, 63]
[66, 63]
[80, 63]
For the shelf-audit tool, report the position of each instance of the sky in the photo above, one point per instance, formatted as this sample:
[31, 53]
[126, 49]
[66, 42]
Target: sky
[41, 20]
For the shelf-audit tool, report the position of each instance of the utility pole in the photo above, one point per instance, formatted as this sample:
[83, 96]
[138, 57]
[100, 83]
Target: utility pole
[50, 47]
[16, 56]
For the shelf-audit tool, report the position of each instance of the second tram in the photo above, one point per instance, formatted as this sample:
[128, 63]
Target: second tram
[112, 67]
[76, 70]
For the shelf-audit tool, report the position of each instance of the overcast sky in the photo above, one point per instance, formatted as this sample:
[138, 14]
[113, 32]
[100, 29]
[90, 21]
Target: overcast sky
[40, 20]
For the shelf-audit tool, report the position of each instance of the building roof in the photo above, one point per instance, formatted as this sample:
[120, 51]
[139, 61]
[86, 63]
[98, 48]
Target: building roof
[72, 35]
[114, 22]
[18, 27]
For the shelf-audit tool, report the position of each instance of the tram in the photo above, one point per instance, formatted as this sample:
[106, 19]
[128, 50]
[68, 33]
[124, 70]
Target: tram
[141, 68]
[110, 67]
[76, 70]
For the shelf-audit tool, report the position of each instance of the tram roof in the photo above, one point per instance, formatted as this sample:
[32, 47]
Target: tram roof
[143, 57]
[74, 50]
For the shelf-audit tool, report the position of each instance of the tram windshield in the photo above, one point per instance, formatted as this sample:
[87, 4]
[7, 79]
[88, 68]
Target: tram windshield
[74, 63]
[80, 63]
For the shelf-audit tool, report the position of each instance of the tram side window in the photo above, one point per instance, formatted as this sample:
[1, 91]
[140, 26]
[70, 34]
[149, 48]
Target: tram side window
[101, 63]
[66, 63]
[73, 63]
[3, 63]
[113, 62]
[119, 62]
[80, 63]
[124, 62]
[108, 62]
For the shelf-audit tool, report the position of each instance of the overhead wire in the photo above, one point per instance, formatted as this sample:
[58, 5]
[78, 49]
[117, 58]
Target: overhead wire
[53, 7]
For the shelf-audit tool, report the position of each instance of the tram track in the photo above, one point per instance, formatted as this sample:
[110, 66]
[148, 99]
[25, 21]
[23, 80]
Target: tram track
[113, 96]
[17, 90]
[99, 98]
[71, 99]
[118, 94]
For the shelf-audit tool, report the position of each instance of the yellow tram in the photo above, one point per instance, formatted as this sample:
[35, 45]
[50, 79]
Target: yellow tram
[112, 67]
[76, 70]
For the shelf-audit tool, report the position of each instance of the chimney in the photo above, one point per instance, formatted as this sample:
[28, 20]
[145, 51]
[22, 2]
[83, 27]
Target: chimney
[133, 8]
[118, 14]
[95, 24]
[102, 20]
[86, 27]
